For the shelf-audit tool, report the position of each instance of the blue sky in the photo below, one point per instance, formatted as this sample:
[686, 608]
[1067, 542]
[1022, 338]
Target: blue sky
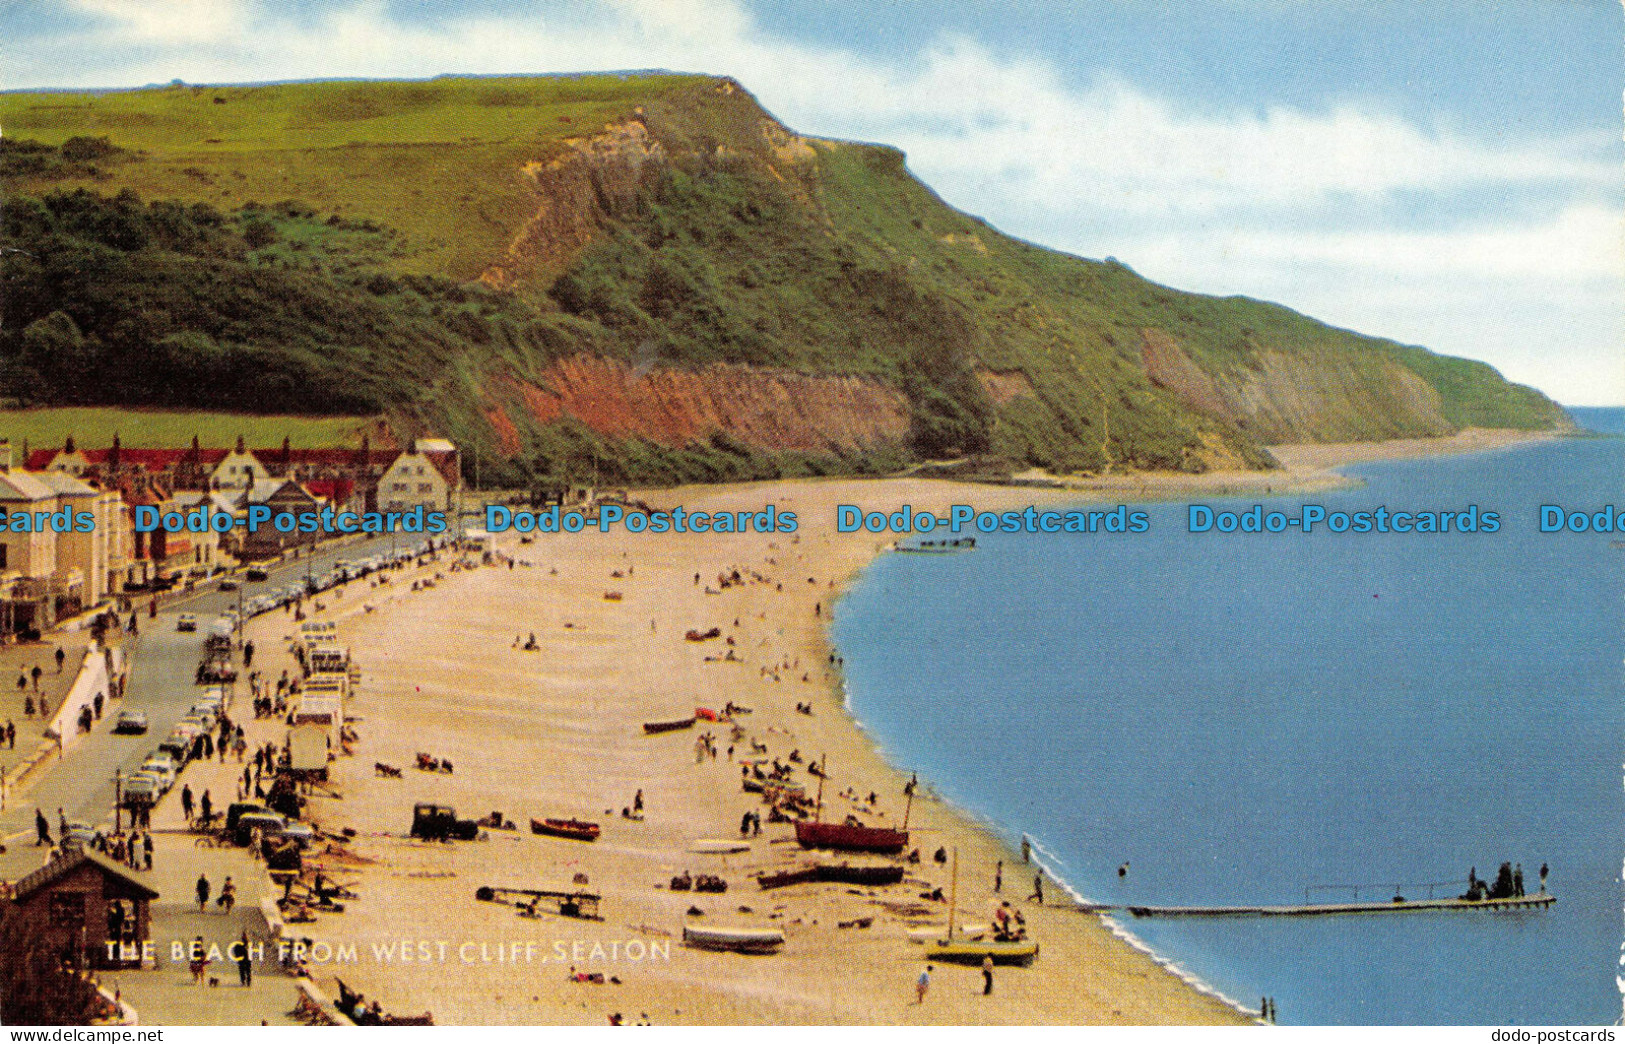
[1444, 172]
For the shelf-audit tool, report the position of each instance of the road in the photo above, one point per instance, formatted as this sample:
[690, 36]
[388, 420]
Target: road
[162, 683]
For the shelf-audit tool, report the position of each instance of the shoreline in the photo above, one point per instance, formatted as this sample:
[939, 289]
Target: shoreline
[442, 673]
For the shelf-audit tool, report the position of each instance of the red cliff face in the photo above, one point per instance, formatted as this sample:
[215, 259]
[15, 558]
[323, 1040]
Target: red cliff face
[762, 408]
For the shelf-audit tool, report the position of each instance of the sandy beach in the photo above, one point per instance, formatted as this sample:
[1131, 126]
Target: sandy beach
[557, 732]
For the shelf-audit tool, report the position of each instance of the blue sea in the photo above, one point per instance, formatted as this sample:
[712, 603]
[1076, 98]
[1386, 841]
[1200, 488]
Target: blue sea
[1271, 718]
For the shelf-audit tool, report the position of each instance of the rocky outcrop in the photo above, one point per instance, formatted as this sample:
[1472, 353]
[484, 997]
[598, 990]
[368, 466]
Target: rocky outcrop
[762, 408]
[593, 181]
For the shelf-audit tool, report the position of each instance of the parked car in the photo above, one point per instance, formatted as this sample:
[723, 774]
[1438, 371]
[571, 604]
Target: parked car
[228, 584]
[186, 622]
[142, 790]
[130, 722]
[254, 574]
[164, 766]
[79, 834]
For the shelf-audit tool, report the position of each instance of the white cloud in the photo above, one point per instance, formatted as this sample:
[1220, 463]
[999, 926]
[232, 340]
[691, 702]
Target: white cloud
[1202, 193]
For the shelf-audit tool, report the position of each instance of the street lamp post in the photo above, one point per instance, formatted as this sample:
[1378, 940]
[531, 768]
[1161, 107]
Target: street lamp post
[118, 801]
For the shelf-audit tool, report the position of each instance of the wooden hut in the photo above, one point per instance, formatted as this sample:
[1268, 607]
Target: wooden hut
[89, 909]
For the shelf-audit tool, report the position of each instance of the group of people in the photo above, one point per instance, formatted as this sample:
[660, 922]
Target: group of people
[1508, 883]
[225, 900]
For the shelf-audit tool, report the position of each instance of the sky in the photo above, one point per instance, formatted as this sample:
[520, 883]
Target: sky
[1449, 173]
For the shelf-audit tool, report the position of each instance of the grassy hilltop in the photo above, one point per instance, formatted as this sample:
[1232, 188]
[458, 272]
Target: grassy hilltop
[635, 277]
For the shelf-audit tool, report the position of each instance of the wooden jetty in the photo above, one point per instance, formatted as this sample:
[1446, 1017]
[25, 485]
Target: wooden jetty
[1522, 902]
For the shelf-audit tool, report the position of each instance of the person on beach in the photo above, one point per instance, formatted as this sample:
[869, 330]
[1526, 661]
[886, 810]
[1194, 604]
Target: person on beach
[987, 975]
[60, 657]
[921, 985]
[42, 828]
[245, 965]
[637, 802]
[998, 876]
[1038, 889]
[202, 893]
[1026, 849]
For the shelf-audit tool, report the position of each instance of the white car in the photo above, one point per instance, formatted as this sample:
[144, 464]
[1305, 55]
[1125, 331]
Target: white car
[163, 767]
[186, 622]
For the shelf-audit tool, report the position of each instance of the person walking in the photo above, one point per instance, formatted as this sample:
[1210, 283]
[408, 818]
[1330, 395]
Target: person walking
[1542, 878]
[36, 672]
[202, 893]
[186, 801]
[11, 734]
[42, 828]
[1038, 889]
[146, 848]
[998, 876]
[245, 963]
[206, 807]
[61, 657]
[987, 975]
[228, 895]
[921, 985]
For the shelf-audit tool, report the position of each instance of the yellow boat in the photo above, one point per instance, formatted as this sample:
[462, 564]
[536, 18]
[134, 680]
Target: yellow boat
[971, 951]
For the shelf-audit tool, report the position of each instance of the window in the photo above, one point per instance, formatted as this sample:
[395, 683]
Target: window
[425, 487]
[68, 909]
[402, 487]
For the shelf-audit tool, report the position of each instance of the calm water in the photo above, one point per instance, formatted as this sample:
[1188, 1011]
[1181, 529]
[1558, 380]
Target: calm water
[1245, 718]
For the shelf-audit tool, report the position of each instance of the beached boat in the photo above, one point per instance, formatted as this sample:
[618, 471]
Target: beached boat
[837, 873]
[736, 940]
[851, 838]
[653, 727]
[575, 829]
[842, 873]
[974, 951]
[718, 846]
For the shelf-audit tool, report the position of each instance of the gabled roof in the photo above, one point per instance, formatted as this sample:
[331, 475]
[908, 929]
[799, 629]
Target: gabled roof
[19, 485]
[40, 459]
[64, 865]
[62, 483]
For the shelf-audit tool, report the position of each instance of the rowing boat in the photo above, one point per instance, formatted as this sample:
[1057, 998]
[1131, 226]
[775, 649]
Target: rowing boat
[653, 727]
[575, 829]
[851, 838]
[974, 951]
[736, 940]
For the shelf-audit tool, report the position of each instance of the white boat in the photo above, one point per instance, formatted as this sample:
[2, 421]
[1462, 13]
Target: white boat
[737, 940]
